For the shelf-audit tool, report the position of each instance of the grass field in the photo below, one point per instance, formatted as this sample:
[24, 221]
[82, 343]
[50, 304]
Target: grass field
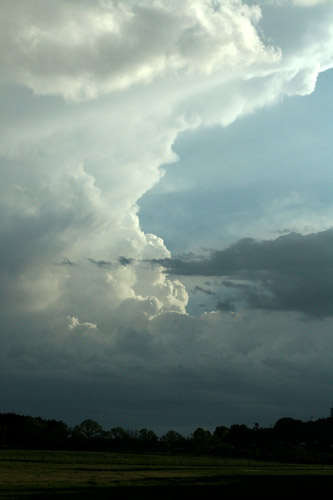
[53, 474]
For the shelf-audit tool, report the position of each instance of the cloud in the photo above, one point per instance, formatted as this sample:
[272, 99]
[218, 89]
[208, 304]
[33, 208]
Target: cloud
[65, 262]
[292, 272]
[100, 263]
[80, 50]
[75, 324]
[227, 368]
[226, 305]
[198, 288]
[124, 261]
[309, 3]
[93, 95]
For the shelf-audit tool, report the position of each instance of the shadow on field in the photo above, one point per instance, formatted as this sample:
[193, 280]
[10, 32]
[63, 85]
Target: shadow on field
[272, 487]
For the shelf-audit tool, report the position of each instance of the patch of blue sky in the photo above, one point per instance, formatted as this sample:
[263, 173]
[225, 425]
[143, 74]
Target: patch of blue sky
[265, 174]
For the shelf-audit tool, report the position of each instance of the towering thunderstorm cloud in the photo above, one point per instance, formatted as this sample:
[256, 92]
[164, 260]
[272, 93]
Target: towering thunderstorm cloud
[93, 96]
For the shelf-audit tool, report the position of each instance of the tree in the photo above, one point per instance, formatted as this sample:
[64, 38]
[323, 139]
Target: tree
[201, 441]
[240, 435]
[220, 433]
[119, 437]
[147, 439]
[36, 432]
[173, 441]
[88, 430]
[288, 430]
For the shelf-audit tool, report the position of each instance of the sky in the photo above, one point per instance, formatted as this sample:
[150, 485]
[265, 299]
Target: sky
[166, 241]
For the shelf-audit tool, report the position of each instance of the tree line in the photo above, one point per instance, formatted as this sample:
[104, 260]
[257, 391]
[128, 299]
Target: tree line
[287, 440]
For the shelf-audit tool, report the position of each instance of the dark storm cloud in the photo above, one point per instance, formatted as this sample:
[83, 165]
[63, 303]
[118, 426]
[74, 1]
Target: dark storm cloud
[65, 262]
[231, 367]
[124, 261]
[100, 263]
[203, 290]
[293, 272]
[226, 305]
[287, 252]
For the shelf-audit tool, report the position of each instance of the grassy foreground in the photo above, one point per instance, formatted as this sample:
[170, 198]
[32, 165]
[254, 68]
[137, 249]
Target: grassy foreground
[29, 474]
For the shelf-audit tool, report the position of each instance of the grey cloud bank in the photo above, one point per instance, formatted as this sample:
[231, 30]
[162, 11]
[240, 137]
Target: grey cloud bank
[287, 252]
[292, 272]
[93, 96]
[229, 368]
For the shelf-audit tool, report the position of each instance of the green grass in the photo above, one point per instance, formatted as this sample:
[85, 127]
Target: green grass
[26, 474]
